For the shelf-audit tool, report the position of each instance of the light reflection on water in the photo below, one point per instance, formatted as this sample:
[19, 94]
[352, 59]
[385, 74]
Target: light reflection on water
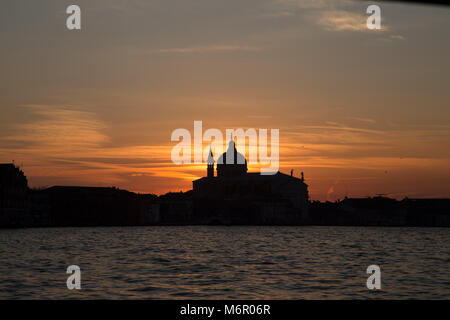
[202, 262]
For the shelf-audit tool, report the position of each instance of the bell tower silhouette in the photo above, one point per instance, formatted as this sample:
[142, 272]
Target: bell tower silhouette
[210, 162]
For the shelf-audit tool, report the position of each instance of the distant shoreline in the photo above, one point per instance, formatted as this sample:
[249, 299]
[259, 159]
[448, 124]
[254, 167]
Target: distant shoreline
[244, 200]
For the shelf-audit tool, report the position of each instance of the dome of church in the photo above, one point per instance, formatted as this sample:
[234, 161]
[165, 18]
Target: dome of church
[231, 163]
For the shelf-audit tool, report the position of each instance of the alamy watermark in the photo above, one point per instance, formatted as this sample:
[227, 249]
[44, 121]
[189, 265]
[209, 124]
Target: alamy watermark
[213, 139]
[74, 280]
[374, 280]
[374, 20]
[73, 21]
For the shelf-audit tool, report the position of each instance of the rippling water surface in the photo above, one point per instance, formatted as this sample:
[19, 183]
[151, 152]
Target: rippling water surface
[225, 262]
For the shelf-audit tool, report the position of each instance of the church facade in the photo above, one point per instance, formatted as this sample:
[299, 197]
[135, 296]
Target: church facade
[235, 196]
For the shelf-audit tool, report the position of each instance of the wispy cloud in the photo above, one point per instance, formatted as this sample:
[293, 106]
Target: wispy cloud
[340, 20]
[59, 128]
[367, 120]
[332, 16]
[209, 49]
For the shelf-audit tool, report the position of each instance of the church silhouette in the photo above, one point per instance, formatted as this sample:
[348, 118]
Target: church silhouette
[236, 196]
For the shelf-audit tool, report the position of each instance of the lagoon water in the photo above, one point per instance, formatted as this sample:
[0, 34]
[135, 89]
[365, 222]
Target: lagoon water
[209, 262]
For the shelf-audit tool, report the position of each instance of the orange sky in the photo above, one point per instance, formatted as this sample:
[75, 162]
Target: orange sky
[359, 112]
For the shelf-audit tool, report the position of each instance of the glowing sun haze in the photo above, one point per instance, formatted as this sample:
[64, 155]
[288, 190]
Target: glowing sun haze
[360, 112]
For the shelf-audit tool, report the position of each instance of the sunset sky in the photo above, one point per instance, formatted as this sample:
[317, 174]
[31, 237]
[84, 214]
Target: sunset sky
[361, 112]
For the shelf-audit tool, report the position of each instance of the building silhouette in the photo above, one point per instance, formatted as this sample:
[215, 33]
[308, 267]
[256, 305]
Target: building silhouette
[13, 186]
[236, 196]
[14, 195]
